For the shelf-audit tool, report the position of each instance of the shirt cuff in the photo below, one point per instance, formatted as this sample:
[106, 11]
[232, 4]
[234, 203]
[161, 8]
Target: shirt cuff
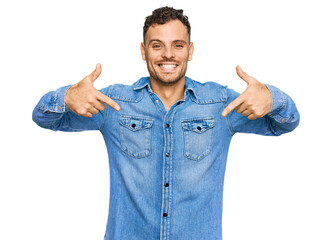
[57, 104]
[279, 100]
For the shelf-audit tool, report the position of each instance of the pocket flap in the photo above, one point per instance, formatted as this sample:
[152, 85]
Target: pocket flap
[135, 123]
[198, 125]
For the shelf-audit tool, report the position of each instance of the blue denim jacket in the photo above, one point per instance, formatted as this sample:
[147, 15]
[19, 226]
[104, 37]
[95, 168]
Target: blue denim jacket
[167, 167]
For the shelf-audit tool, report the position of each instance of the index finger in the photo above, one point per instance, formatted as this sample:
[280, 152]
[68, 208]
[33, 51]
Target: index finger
[236, 102]
[108, 101]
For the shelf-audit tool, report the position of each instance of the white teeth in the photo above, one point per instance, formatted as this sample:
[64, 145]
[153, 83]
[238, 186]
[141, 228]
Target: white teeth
[168, 66]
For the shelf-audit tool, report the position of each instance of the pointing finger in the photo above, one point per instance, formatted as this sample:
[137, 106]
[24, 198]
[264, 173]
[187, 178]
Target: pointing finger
[108, 101]
[238, 101]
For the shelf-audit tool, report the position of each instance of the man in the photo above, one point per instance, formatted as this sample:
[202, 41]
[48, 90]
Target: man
[167, 136]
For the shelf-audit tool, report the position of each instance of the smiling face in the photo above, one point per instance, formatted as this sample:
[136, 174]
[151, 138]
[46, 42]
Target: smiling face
[167, 51]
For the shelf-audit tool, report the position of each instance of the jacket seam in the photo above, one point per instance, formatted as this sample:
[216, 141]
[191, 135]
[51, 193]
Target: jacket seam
[106, 113]
[229, 125]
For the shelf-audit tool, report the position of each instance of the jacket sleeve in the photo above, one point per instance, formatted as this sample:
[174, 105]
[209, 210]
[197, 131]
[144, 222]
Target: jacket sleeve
[283, 117]
[52, 113]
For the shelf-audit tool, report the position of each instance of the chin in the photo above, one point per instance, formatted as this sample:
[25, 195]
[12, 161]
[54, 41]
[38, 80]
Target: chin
[167, 81]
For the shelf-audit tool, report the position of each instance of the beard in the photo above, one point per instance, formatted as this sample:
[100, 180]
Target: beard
[164, 82]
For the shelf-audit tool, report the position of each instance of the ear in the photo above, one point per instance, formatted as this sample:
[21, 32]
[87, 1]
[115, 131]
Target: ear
[191, 51]
[143, 51]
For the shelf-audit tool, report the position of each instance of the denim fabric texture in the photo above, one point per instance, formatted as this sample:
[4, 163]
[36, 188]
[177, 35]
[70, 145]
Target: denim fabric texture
[167, 167]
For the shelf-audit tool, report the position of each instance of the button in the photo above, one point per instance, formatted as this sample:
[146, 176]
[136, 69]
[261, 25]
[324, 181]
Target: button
[165, 215]
[157, 101]
[133, 125]
[166, 184]
[168, 154]
[178, 103]
[283, 120]
[167, 125]
[59, 107]
[199, 128]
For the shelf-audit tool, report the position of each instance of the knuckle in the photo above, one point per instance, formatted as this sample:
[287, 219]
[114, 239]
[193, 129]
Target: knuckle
[82, 112]
[102, 107]
[90, 99]
[250, 103]
[87, 106]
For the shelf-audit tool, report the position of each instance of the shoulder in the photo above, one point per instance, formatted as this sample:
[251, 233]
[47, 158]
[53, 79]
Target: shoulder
[123, 92]
[209, 92]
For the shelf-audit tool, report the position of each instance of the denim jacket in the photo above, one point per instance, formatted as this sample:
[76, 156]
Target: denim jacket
[167, 167]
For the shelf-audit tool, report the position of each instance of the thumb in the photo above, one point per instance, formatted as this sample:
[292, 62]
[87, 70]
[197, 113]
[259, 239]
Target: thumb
[95, 74]
[248, 79]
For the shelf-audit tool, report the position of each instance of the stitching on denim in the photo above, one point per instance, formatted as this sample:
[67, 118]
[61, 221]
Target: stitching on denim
[147, 148]
[228, 121]
[124, 99]
[106, 113]
[186, 131]
[142, 154]
[202, 102]
[170, 175]
[204, 154]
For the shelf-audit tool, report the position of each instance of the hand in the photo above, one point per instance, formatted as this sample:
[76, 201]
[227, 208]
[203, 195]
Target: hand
[85, 100]
[254, 102]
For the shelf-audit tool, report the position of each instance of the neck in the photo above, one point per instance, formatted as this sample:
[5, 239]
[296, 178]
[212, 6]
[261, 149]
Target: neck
[168, 94]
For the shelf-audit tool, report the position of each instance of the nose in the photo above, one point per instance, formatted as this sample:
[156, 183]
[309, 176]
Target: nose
[168, 52]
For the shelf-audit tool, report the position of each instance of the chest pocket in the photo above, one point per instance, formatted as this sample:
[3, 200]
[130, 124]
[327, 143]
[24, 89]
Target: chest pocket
[198, 135]
[135, 134]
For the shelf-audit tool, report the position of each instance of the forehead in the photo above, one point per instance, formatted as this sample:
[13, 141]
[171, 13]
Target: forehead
[170, 31]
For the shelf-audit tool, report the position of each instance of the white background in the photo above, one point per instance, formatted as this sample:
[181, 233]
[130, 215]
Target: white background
[54, 185]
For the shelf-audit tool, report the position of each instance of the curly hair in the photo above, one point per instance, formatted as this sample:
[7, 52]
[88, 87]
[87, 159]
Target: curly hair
[163, 15]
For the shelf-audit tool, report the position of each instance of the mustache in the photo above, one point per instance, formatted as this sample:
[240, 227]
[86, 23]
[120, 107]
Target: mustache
[166, 60]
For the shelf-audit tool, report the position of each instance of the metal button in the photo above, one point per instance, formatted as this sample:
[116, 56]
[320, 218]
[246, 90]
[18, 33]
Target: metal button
[166, 184]
[133, 125]
[199, 128]
[167, 125]
[168, 154]
[165, 215]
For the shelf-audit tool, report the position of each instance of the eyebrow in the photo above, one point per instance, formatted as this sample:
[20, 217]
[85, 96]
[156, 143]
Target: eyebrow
[176, 41]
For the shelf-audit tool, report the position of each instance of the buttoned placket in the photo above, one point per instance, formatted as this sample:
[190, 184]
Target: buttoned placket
[167, 163]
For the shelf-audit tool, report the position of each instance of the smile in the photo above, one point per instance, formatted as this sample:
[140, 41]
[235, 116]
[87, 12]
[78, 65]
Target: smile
[167, 66]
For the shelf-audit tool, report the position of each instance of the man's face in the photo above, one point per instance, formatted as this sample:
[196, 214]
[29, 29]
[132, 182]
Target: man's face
[166, 51]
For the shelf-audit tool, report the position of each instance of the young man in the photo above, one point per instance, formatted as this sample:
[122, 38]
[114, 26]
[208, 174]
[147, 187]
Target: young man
[167, 135]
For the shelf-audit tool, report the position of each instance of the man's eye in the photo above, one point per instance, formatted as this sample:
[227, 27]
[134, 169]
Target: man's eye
[156, 46]
[179, 46]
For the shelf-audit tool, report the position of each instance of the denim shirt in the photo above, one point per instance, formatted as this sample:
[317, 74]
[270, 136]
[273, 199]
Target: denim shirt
[167, 167]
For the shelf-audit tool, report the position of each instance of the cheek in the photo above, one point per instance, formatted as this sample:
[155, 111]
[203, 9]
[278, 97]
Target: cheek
[185, 56]
[150, 57]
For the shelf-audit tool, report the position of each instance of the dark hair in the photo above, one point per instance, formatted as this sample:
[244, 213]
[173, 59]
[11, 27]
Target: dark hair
[163, 15]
